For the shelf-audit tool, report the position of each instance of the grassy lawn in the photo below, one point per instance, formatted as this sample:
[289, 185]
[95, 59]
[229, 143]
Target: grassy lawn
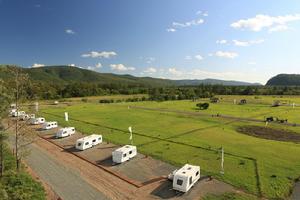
[254, 164]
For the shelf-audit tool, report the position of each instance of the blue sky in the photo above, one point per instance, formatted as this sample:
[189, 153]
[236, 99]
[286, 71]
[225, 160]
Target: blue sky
[249, 40]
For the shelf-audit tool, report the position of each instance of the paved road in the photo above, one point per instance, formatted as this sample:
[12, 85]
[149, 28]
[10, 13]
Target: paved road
[64, 181]
[296, 192]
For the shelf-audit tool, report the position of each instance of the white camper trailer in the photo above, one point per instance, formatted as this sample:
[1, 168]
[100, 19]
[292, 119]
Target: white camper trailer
[49, 125]
[124, 153]
[13, 105]
[88, 141]
[27, 117]
[18, 113]
[12, 111]
[185, 178]
[36, 121]
[65, 132]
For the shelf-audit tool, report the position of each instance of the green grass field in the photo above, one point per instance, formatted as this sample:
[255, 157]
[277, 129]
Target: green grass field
[258, 166]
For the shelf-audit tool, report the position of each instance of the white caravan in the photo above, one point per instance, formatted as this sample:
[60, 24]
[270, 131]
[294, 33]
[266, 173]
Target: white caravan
[13, 105]
[36, 121]
[65, 132]
[88, 141]
[18, 113]
[186, 177]
[49, 125]
[27, 117]
[124, 153]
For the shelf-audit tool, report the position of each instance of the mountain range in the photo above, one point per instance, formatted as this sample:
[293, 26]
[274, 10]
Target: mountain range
[66, 74]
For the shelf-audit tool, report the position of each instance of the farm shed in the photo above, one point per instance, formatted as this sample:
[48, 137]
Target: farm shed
[36, 121]
[88, 142]
[65, 132]
[124, 153]
[186, 177]
[49, 125]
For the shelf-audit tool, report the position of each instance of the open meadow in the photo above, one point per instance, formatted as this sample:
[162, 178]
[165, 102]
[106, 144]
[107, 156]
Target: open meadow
[259, 166]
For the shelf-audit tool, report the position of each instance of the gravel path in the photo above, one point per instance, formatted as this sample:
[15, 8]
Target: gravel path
[66, 182]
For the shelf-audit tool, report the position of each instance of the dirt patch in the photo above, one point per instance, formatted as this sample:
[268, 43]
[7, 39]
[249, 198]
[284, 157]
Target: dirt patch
[270, 133]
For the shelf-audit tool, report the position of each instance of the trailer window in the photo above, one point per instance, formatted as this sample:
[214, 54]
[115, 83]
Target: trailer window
[191, 180]
[124, 155]
[94, 140]
[86, 143]
[130, 152]
[179, 182]
[99, 138]
[79, 144]
[197, 173]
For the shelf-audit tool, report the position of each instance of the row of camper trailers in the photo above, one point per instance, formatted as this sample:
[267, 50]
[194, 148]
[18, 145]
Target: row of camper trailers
[183, 179]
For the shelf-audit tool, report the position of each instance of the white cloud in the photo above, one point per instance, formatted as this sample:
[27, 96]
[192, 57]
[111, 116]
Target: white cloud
[171, 30]
[36, 65]
[259, 22]
[175, 72]
[279, 28]
[70, 31]
[90, 68]
[221, 41]
[103, 54]
[203, 13]
[150, 60]
[198, 57]
[98, 65]
[150, 70]
[188, 24]
[247, 43]
[121, 67]
[226, 54]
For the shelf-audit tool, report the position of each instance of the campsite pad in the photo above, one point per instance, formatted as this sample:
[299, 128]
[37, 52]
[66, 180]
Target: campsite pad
[139, 169]
[270, 133]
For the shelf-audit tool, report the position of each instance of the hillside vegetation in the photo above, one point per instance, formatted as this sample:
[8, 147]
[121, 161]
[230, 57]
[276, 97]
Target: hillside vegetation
[285, 80]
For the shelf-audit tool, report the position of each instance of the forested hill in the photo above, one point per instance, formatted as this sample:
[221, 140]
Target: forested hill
[285, 80]
[68, 74]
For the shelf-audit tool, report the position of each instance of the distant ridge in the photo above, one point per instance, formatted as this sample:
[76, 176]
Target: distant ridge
[284, 80]
[214, 82]
[68, 74]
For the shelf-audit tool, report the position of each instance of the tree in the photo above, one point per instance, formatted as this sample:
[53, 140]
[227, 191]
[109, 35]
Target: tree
[5, 99]
[19, 85]
[202, 106]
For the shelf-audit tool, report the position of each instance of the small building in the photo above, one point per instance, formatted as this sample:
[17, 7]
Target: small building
[65, 132]
[88, 142]
[186, 177]
[36, 121]
[124, 153]
[49, 125]
[243, 101]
